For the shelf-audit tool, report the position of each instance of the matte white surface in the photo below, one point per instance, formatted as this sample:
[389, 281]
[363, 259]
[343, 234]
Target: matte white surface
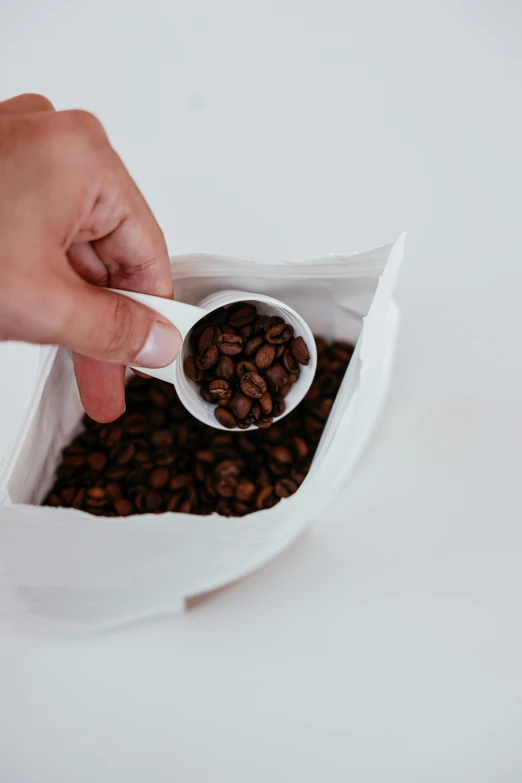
[386, 645]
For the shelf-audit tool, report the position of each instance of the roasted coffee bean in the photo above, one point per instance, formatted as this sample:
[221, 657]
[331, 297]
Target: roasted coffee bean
[264, 422]
[229, 467]
[224, 368]
[282, 454]
[153, 501]
[158, 478]
[300, 447]
[225, 417]
[277, 376]
[192, 370]
[122, 453]
[165, 457]
[67, 496]
[243, 424]
[123, 507]
[252, 346]
[259, 324]
[265, 356]
[246, 333]
[109, 436]
[285, 487]
[265, 498]
[175, 501]
[204, 392]
[254, 413]
[157, 418]
[208, 338]
[244, 367]
[97, 460]
[180, 481]
[115, 472]
[240, 405]
[280, 350]
[220, 390]
[205, 455]
[253, 385]
[229, 344]
[300, 351]
[208, 358]
[96, 496]
[342, 351]
[245, 490]
[266, 403]
[279, 334]
[159, 396]
[241, 314]
[279, 406]
[74, 460]
[290, 362]
[79, 498]
[114, 491]
[162, 438]
[135, 424]
[273, 320]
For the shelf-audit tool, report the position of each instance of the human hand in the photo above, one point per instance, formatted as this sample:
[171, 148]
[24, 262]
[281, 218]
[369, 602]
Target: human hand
[72, 224]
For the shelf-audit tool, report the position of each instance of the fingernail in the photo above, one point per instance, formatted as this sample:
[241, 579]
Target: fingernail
[162, 346]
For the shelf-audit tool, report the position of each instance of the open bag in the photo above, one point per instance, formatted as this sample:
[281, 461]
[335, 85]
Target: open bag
[75, 572]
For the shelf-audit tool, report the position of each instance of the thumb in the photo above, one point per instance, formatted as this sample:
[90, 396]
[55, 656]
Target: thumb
[98, 323]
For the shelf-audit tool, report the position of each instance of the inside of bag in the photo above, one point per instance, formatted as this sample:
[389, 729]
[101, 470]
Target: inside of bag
[333, 308]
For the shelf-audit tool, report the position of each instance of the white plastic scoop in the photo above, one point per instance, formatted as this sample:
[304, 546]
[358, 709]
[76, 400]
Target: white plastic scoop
[185, 316]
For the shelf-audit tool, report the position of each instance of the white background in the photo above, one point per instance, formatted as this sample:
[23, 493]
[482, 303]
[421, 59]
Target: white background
[386, 645]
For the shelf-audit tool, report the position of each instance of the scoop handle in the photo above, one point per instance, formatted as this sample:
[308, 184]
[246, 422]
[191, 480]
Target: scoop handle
[182, 315]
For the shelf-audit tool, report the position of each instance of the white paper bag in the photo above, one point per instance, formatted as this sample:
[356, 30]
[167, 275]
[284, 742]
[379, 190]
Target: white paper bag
[82, 573]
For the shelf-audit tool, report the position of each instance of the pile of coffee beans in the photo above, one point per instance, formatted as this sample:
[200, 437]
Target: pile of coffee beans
[245, 363]
[157, 457]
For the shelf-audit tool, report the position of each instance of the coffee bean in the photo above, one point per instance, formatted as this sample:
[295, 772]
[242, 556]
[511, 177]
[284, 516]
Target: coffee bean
[225, 417]
[265, 356]
[157, 418]
[290, 362]
[277, 376]
[158, 396]
[252, 346]
[241, 314]
[240, 405]
[115, 472]
[259, 324]
[162, 438]
[254, 413]
[165, 457]
[123, 507]
[204, 392]
[245, 490]
[285, 487]
[109, 436]
[135, 424]
[300, 351]
[265, 498]
[114, 491]
[281, 350]
[158, 478]
[246, 333]
[220, 390]
[67, 496]
[192, 370]
[282, 454]
[153, 501]
[274, 320]
[300, 447]
[179, 481]
[279, 405]
[74, 460]
[264, 422]
[244, 367]
[208, 338]
[266, 403]
[224, 368]
[122, 453]
[208, 358]
[78, 498]
[205, 455]
[230, 344]
[253, 385]
[281, 333]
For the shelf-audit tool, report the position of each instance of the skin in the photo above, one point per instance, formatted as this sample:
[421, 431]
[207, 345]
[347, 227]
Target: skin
[73, 224]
